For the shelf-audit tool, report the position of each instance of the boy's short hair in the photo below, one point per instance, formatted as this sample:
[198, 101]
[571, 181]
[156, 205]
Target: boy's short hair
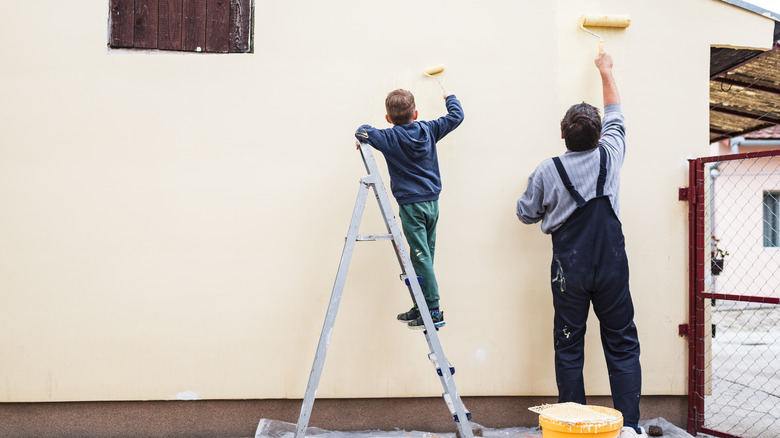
[400, 107]
[581, 127]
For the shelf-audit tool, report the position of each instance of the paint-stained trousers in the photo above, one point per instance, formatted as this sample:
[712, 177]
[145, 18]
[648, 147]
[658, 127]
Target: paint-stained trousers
[590, 265]
[418, 221]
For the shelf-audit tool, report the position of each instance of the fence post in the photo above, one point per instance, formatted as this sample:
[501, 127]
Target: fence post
[696, 286]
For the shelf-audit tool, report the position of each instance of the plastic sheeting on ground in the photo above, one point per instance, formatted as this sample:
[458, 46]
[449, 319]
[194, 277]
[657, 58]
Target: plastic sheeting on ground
[280, 429]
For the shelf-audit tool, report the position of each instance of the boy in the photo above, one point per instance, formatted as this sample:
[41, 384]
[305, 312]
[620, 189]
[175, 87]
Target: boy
[576, 198]
[409, 148]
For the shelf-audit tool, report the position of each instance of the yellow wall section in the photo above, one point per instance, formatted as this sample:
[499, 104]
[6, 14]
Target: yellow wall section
[173, 222]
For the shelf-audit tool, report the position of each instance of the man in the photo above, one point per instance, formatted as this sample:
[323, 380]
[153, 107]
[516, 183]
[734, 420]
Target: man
[575, 196]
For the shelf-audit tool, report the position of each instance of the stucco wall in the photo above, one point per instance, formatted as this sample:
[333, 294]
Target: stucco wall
[171, 223]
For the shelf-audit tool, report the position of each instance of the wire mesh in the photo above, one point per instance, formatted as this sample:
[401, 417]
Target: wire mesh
[738, 343]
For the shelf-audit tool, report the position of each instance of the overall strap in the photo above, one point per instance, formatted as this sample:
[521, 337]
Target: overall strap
[567, 182]
[602, 172]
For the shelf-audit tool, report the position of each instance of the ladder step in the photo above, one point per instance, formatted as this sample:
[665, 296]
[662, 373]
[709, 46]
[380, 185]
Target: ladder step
[435, 362]
[448, 401]
[374, 237]
[406, 280]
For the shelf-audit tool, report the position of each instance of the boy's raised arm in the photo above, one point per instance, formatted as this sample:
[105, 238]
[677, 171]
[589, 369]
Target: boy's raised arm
[445, 124]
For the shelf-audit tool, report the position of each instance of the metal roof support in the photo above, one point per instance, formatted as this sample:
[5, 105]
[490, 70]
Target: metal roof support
[736, 142]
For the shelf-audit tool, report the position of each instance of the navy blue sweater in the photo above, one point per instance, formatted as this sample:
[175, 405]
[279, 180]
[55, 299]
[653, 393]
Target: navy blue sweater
[410, 153]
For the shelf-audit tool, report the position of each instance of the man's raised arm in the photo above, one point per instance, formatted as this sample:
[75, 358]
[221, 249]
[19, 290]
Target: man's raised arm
[609, 87]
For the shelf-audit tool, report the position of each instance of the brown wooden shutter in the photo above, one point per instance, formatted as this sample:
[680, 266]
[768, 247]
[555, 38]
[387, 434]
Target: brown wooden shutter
[217, 25]
[121, 23]
[145, 17]
[240, 25]
[223, 26]
[169, 25]
[194, 31]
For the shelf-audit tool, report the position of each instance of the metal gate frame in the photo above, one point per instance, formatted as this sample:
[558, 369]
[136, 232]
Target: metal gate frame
[695, 329]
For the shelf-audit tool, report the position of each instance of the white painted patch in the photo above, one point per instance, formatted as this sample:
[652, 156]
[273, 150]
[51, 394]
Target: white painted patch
[187, 395]
[481, 354]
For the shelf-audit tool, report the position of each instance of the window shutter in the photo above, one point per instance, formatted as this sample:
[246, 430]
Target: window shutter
[169, 25]
[145, 30]
[240, 25]
[222, 26]
[217, 25]
[194, 32]
[121, 23]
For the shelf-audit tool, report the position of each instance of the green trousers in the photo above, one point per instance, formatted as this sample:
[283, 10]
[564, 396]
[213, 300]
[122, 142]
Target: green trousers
[418, 221]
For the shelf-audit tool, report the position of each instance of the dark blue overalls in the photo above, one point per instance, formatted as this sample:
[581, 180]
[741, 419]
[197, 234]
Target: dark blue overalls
[590, 265]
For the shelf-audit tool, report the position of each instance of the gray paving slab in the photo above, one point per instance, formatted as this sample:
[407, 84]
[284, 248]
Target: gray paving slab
[745, 379]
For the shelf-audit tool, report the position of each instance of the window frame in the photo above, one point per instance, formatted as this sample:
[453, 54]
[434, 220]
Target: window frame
[770, 225]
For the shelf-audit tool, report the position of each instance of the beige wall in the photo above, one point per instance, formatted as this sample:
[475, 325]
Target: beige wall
[173, 222]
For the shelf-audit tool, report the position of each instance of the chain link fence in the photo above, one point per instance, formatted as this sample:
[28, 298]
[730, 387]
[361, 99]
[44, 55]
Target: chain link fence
[734, 325]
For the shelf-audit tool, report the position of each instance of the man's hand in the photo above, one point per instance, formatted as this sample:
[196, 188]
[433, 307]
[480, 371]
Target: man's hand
[604, 62]
[357, 144]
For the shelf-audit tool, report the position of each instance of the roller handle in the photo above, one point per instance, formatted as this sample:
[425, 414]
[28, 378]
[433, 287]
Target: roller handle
[437, 80]
[602, 46]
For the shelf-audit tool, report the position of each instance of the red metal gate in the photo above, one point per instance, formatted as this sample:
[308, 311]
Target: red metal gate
[734, 309]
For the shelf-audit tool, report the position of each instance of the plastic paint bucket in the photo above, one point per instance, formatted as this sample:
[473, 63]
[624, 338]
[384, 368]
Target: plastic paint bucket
[602, 428]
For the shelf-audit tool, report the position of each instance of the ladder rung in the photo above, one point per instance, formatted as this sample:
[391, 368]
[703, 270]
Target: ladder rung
[373, 237]
[448, 401]
[432, 357]
[406, 280]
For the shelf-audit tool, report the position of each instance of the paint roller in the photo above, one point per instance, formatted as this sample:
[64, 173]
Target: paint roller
[621, 21]
[434, 70]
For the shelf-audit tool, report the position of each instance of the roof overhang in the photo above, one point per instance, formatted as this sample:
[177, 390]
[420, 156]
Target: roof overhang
[757, 6]
[744, 91]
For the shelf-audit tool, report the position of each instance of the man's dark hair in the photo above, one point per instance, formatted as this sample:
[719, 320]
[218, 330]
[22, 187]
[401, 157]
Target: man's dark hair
[400, 107]
[581, 127]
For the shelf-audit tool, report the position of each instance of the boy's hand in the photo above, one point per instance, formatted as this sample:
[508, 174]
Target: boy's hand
[357, 145]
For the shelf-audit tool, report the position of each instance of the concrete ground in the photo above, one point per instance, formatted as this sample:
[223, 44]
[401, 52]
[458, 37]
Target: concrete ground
[745, 380]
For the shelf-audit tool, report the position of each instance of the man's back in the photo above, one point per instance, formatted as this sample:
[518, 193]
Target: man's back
[550, 202]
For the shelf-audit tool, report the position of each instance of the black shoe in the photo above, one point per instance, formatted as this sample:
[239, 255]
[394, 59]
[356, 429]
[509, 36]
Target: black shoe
[436, 315]
[411, 315]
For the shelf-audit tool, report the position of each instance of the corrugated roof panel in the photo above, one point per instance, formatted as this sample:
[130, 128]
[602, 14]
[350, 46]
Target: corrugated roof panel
[725, 123]
[744, 99]
[745, 93]
[764, 71]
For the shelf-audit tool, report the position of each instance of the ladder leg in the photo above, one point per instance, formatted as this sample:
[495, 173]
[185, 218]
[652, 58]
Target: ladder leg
[330, 317]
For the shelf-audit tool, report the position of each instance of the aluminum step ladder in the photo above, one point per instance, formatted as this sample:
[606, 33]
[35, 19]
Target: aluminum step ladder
[451, 397]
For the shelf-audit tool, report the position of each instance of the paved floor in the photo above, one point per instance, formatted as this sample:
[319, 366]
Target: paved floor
[745, 370]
